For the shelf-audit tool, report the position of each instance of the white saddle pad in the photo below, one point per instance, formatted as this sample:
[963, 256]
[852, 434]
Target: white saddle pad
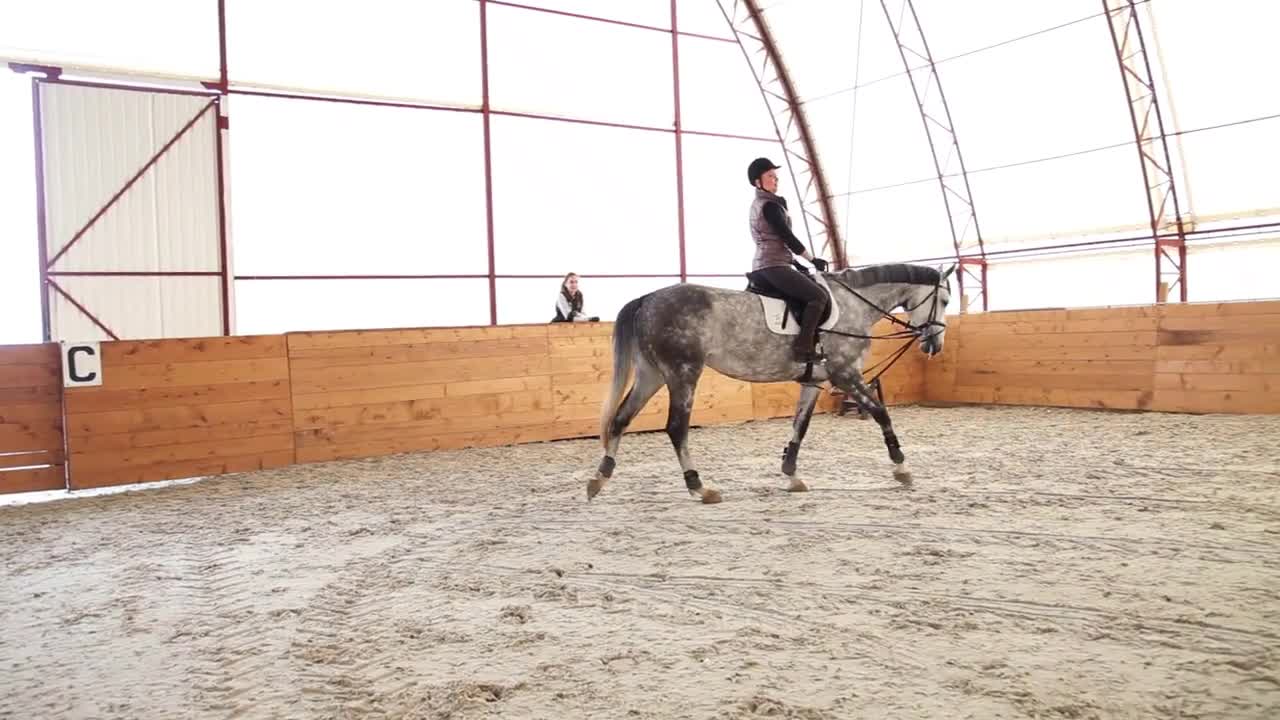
[775, 309]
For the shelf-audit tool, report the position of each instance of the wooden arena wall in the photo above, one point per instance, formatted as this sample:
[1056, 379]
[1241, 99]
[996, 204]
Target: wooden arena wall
[208, 406]
[31, 439]
[1214, 357]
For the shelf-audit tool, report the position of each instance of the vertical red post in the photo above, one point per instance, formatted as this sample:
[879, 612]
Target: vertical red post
[41, 232]
[488, 158]
[675, 81]
[220, 123]
[223, 80]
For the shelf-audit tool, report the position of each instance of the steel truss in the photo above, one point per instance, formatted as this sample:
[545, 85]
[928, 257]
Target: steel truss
[1167, 232]
[754, 38]
[966, 236]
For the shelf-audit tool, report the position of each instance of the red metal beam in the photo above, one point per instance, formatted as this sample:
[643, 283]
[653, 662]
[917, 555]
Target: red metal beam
[607, 21]
[223, 216]
[135, 273]
[488, 159]
[1158, 181]
[675, 82]
[957, 199]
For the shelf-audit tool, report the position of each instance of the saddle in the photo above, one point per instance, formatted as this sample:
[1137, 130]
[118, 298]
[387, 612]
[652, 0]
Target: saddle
[782, 312]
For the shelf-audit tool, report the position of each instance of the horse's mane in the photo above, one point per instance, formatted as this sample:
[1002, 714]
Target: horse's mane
[893, 273]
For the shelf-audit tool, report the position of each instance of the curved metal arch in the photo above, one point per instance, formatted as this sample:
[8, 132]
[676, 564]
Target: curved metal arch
[1153, 147]
[936, 116]
[761, 52]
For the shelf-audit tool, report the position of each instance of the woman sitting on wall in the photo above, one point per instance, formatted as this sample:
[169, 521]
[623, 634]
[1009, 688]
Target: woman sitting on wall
[569, 302]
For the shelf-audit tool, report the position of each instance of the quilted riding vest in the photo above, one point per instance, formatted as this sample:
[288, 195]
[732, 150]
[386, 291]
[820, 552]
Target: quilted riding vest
[771, 249]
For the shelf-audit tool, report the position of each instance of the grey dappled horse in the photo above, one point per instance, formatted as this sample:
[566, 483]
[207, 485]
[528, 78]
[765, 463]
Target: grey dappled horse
[669, 335]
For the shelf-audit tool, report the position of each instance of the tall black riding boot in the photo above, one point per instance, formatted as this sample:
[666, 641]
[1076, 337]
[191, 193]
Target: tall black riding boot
[805, 341]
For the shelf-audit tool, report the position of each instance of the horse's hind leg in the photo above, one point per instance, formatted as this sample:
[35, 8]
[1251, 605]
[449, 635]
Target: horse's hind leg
[648, 381]
[682, 386]
[800, 425]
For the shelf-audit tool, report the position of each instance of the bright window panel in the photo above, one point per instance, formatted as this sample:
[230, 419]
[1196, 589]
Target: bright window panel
[819, 41]
[1049, 95]
[1236, 271]
[526, 300]
[591, 199]
[654, 13]
[428, 51]
[157, 36]
[718, 93]
[953, 27]
[1059, 197]
[889, 145]
[898, 224]
[554, 65]
[703, 17]
[1219, 59]
[19, 245]
[1113, 278]
[320, 188]
[279, 306]
[1232, 170]
[717, 199]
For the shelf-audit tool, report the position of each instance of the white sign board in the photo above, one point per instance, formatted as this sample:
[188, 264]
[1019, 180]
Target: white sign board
[81, 364]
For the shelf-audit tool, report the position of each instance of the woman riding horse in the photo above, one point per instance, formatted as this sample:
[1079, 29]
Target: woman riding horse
[775, 243]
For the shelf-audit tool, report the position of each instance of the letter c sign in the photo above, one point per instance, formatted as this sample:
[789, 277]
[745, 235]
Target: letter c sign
[81, 364]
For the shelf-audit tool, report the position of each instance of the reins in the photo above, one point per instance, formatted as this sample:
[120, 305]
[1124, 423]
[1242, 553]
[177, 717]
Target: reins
[909, 331]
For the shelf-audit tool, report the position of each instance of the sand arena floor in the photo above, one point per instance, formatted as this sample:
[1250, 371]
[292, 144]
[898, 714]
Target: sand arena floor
[1046, 563]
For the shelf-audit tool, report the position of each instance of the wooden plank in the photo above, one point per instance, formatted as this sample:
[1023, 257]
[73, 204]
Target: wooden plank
[116, 459]
[1227, 309]
[30, 436]
[1217, 352]
[214, 372]
[1262, 325]
[349, 434]
[45, 354]
[1206, 382]
[50, 394]
[148, 352]
[172, 418]
[444, 441]
[419, 373]
[30, 458]
[985, 378]
[1253, 366]
[97, 399]
[28, 376]
[1060, 340]
[179, 470]
[32, 479]
[416, 352]
[1013, 352]
[442, 409]
[30, 413]
[350, 398]
[1102, 399]
[1049, 327]
[1058, 367]
[502, 385]
[377, 338]
[1215, 401]
[158, 438]
[579, 329]
[600, 364]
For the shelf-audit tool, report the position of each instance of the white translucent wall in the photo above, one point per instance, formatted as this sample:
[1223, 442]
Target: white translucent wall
[155, 37]
[276, 306]
[1038, 105]
[19, 266]
[427, 51]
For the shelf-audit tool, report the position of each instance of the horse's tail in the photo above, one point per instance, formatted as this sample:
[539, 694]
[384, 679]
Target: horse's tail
[624, 355]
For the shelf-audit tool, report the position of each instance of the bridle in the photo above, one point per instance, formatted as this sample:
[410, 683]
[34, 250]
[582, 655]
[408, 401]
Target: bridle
[909, 330]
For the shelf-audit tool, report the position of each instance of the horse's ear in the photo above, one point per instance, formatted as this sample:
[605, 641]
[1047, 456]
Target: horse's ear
[948, 271]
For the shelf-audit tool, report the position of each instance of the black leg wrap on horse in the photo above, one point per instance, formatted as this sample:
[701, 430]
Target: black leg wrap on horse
[789, 456]
[895, 452]
[606, 466]
[691, 480]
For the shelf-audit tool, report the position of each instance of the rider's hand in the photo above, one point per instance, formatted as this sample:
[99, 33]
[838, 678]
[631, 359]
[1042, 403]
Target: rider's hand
[820, 264]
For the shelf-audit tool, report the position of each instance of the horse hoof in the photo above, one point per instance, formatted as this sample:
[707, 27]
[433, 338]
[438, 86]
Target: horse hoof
[902, 475]
[797, 485]
[594, 486]
[710, 496]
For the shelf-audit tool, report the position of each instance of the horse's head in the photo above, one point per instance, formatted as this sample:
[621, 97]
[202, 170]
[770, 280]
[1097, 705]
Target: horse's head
[926, 307]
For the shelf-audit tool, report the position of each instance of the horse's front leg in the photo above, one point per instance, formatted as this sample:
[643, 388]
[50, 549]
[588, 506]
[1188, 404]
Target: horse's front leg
[800, 425]
[865, 398]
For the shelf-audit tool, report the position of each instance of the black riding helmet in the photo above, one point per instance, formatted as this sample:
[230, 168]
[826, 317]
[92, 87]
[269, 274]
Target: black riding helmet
[758, 167]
